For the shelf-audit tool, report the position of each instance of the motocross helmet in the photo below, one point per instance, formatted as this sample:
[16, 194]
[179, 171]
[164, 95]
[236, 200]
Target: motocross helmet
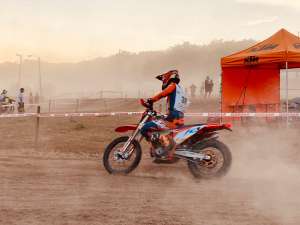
[4, 92]
[167, 78]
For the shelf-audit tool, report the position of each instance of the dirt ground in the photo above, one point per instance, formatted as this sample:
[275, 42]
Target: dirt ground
[63, 181]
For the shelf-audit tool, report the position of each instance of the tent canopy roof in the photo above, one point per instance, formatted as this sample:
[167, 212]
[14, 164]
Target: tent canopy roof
[281, 47]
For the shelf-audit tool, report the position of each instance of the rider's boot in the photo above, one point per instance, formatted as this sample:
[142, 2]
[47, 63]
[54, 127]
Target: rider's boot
[170, 146]
[156, 149]
[166, 149]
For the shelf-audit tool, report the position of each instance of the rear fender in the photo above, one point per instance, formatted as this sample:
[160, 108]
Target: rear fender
[123, 129]
[215, 127]
[209, 132]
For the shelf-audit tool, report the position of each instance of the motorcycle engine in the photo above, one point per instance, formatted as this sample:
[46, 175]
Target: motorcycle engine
[155, 138]
[160, 151]
[158, 148]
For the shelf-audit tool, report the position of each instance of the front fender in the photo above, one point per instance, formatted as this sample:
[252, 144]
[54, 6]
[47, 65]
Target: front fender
[123, 129]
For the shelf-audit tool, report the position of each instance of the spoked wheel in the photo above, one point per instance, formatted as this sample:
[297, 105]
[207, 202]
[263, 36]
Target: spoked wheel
[117, 163]
[217, 164]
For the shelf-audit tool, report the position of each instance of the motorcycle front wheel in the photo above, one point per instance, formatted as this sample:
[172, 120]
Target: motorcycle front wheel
[113, 160]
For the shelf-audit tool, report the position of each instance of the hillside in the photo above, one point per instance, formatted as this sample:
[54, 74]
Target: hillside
[124, 71]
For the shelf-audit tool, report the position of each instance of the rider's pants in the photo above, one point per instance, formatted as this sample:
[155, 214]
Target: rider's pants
[172, 121]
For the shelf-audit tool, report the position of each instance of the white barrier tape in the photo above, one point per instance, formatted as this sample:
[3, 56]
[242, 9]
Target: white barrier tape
[206, 115]
[18, 115]
[242, 114]
[8, 105]
[68, 114]
[56, 103]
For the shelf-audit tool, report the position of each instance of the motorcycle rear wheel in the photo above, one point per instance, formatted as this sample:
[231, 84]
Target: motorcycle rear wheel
[219, 164]
[110, 156]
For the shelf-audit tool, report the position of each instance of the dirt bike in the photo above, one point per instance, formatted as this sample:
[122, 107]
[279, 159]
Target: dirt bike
[206, 156]
[7, 105]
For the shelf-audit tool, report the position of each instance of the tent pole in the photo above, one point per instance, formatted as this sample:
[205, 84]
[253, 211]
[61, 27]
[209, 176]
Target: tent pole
[220, 96]
[287, 92]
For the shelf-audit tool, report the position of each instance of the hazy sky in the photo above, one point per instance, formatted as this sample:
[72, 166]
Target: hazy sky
[74, 30]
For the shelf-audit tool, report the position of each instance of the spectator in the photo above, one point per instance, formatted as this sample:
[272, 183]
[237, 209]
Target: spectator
[193, 90]
[208, 86]
[211, 86]
[20, 101]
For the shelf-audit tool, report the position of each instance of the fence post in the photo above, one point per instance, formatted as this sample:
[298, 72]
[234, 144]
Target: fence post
[37, 127]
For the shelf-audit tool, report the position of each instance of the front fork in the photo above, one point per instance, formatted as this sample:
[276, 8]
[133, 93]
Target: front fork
[126, 151]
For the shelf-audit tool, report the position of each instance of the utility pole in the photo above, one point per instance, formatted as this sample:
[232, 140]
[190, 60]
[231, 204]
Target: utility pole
[20, 70]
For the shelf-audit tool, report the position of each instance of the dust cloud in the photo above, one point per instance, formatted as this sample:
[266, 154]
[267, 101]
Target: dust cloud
[262, 187]
[268, 158]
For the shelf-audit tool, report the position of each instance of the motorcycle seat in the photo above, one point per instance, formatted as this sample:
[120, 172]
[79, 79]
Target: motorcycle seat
[190, 125]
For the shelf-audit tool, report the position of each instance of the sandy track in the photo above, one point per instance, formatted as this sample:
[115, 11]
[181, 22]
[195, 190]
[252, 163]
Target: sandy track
[56, 190]
[63, 182]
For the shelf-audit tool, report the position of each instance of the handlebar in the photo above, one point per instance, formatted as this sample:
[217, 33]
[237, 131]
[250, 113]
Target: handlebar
[149, 108]
[146, 104]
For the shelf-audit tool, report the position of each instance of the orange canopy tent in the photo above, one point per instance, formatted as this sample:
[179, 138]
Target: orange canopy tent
[251, 78]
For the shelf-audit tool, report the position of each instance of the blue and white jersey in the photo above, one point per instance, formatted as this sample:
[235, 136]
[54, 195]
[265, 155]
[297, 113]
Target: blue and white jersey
[178, 100]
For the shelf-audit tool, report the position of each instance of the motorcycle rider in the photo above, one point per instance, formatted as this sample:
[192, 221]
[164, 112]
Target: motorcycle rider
[176, 102]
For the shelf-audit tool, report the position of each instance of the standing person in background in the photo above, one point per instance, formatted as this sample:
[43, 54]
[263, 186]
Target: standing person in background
[211, 86]
[193, 90]
[20, 101]
[207, 86]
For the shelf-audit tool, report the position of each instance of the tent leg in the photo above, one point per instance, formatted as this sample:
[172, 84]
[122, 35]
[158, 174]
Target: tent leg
[220, 96]
[287, 92]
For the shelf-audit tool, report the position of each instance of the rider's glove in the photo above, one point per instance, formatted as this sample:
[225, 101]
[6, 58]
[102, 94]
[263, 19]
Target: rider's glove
[149, 101]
